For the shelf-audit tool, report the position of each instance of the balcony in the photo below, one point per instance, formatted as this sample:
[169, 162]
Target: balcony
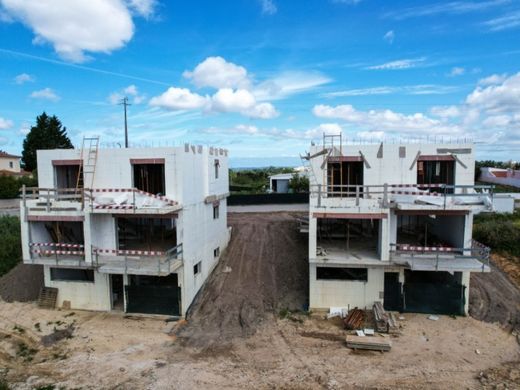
[71, 201]
[57, 254]
[378, 198]
[418, 258]
[137, 262]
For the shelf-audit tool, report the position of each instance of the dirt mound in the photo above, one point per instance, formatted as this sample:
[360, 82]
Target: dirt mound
[263, 270]
[22, 283]
[493, 297]
[506, 376]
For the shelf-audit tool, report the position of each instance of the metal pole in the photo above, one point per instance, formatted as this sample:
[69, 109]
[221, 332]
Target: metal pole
[124, 103]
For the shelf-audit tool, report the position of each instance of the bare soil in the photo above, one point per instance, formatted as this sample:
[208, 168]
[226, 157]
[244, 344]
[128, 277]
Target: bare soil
[236, 337]
[22, 283]
[495, 298]
[264, 270]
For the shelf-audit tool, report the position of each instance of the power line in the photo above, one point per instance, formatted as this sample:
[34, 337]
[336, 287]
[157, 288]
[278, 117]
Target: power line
[124, 103]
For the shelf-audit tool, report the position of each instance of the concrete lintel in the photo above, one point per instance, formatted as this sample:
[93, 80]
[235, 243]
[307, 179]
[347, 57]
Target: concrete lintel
[350, 215]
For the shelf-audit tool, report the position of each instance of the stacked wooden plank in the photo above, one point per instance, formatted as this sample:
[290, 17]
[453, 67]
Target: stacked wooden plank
[48, 297]
[369, 343]
[355, 319]
[385, 322]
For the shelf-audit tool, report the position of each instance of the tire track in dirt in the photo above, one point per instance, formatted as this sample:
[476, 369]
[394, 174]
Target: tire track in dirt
[269, 270]
[494, 298]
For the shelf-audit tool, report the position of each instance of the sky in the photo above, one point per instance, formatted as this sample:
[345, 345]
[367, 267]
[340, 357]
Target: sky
[264, 78]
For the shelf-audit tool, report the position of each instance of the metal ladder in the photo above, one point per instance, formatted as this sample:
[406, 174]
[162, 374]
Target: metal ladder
[88, 160]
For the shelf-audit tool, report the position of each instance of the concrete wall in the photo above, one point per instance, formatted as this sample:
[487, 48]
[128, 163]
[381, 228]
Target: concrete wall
[190, 179]
[340, 293]
[82, 295]
[393, 169]
[5, 164]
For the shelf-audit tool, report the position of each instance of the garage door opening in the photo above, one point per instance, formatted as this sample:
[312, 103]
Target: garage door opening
[153, 295]
[433, 292]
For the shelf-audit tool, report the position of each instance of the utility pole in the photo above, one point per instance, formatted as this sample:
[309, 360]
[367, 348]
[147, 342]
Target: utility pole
[125, 103]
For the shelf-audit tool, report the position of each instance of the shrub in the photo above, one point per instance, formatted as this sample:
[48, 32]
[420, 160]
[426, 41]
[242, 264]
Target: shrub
[10, 245]
[10, 186]
[501, 232]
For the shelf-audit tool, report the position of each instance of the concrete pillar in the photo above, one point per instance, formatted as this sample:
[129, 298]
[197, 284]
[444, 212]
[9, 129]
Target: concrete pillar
[313, 232]
[392, 235]
[87, 237]
[468, 232]
[313, 299]
[384, 242]
[465, 282]
[25, 235]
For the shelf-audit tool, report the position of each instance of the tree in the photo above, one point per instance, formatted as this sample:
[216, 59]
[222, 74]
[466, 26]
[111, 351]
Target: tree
[47, 134]
[10, 246]
[299, 183]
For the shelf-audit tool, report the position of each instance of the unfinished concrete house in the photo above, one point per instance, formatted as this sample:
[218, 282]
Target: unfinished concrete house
[392, 223]
[137, 230]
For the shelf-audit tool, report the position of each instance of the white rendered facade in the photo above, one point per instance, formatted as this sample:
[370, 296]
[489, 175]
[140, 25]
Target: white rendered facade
[149, 220]
[393, 222]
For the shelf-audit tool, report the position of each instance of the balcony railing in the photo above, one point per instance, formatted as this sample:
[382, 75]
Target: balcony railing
[385, 194]
[60, 254]
[439, 258]
[138, 261]
[97, 200]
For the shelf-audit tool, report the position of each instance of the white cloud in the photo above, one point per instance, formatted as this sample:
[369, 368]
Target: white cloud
[75, 28]
[262, 111]
[378, 135]
[384, 120]
[447, 7]
[246, 129]
[456, 71]
[145, 8]
[445, 111]
[289, 83]
[179, 99]
[268, 7]
[229, 100]
[421, 89]
[130, 91]
[216, 72]
[506, 22]
[25, 128]
[399, 64]
[497, 97]
[46, 94]
[493, 79]
[23, 78]
[5, 124]
[389, 36]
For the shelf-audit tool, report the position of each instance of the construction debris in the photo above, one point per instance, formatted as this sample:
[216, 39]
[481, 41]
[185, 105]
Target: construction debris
[385, 322]
[368, 343]
[433, 317]
[48, 297]
[355, 319]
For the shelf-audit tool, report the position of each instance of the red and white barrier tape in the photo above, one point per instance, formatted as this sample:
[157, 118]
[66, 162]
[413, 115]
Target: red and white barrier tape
[406, 247]
[56, 244]
[114, 207]
[415, 193]
[416, 185]
[57, 252]
[129, 252]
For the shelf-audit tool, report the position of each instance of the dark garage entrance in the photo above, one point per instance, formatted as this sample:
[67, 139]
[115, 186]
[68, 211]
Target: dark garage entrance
[433, 292]
[153, 295]
[392, 294]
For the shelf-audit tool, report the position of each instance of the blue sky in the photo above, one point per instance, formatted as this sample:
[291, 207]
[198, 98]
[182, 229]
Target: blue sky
[263, 78]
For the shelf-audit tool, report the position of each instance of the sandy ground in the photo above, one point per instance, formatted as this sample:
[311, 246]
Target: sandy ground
[235, 337]
[109, 351]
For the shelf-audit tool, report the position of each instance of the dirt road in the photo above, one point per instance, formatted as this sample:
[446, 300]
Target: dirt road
[263, 270]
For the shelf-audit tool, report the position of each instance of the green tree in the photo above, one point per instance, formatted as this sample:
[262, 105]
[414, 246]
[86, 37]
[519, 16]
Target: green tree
[47, 134]
[299, 183]
[10, 246]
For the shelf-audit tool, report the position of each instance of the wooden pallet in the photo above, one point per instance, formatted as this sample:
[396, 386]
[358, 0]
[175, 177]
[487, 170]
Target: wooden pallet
[48, 297]
[369, 343]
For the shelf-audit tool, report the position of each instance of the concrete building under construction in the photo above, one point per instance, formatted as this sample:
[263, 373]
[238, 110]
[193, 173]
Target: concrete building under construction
[137, 230]
[392, 223]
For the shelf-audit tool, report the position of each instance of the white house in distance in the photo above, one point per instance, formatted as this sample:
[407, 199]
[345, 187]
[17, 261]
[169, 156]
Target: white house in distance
[137, 230]
[393, 223]
[9, 164]
[279, 183]
[508, 177]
